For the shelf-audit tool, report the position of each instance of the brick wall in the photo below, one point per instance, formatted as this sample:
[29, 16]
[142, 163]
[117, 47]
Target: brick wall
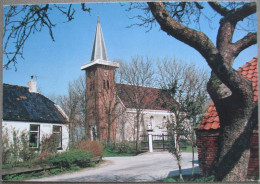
[253, 166]
[207, 143]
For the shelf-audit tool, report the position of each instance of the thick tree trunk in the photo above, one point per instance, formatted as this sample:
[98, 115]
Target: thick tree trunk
[237, 122]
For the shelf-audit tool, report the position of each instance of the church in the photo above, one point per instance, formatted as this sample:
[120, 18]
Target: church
[110, 112]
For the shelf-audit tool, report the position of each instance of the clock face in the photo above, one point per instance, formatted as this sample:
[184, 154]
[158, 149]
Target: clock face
[105, 73]
[91, 74]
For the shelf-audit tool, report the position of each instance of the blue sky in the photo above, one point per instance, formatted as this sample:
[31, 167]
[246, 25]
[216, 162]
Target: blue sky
[57, 63]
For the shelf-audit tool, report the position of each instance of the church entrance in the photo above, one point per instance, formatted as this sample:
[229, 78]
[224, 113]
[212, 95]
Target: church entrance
[160, 142]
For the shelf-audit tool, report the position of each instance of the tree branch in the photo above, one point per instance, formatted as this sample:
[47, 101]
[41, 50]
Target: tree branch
[198, 40]
[243, 12]
[219, 8]
[193, 38]
[227, 28]
[247, 41]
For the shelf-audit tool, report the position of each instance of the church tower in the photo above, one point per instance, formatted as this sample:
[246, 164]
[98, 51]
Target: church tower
[100, 91]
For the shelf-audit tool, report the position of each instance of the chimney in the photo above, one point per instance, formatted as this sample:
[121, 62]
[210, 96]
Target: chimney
[32, 85]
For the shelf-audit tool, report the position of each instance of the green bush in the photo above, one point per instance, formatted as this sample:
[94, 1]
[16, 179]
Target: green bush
[72, 158]
[126, 148]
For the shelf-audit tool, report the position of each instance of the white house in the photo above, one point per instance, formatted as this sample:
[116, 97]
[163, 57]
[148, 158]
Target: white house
[24, 109]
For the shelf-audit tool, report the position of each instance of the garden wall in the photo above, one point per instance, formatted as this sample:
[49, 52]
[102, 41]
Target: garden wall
[207, 143]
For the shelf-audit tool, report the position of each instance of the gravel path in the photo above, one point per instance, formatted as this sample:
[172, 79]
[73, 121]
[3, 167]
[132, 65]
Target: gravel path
[145, 167]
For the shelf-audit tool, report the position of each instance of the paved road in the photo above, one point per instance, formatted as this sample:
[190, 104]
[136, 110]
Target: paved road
[142, 168]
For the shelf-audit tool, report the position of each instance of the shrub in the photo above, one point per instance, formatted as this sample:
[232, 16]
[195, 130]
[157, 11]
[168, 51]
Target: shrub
[94, 147]
[122, 147]
[48, 144]
[6, 150]
[71, 158]
[17, 149]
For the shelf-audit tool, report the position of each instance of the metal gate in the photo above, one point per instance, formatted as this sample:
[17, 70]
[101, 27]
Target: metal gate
[160, 142]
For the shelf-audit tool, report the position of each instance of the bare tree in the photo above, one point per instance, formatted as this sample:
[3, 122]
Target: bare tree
[231, 93]
[137, 76]
[20, 22]
[185, 85]
[74, 105]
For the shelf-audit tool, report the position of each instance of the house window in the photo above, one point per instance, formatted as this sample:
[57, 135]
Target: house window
[57, 130]
[34, 136]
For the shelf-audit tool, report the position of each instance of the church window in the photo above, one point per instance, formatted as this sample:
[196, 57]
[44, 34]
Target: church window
[104, 84]
[164, 121]
[92, 86]
[151, 121]
[107, 84]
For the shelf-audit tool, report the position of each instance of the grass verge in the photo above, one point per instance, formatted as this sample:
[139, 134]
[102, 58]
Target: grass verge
[190, 178]
[45, 173]
[115, 154]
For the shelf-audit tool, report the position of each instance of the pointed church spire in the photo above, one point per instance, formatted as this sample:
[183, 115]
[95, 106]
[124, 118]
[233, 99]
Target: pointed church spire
[99, 48]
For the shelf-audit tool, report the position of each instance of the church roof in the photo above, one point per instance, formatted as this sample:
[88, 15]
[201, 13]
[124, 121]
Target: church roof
[153, 98]
[99, 53]
[21, 105]
[249, 71]
[99, 48]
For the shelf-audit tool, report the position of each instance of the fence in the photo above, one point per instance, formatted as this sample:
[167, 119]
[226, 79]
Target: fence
[160, 142]
[163, 142]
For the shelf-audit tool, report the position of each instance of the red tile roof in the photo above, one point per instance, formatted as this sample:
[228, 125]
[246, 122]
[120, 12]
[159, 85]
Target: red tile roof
[249, 71]
[154, 98]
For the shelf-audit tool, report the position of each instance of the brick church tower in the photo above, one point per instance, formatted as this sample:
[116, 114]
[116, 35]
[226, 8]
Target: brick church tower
[100, 91]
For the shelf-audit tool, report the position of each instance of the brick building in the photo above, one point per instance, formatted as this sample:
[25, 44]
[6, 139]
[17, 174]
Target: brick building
[208, 132]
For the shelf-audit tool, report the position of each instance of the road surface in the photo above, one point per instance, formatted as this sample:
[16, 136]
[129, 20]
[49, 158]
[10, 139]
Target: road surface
[145, 167]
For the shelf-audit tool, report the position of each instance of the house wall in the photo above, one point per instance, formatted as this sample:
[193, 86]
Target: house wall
[45, 129]
[207, 144]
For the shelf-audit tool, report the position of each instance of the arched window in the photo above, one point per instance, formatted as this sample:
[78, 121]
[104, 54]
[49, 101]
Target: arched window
[151, 122]
[164, 122]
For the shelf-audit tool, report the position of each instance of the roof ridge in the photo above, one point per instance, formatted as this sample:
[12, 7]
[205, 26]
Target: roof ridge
[16, 85]
[139, 86]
